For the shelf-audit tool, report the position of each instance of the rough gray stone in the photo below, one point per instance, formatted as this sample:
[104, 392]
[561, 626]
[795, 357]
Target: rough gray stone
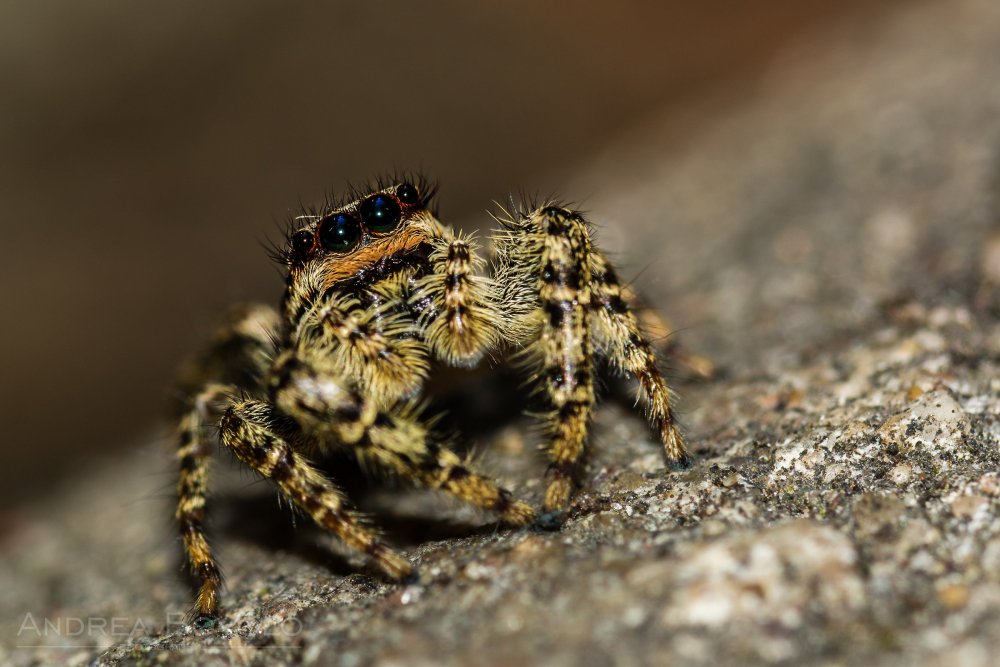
[833, 245]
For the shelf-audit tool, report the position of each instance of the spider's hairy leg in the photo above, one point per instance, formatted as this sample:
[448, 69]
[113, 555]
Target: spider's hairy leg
[621, 339]
[567, 349]
[543, 267]
[261, 438]
[367, 343]
[458, 318]
[193, 454]
[327, 407]
[240, 351]
[659, 332]
[402, 446]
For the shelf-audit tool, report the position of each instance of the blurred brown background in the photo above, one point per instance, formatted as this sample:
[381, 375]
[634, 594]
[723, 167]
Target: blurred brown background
[147, 151]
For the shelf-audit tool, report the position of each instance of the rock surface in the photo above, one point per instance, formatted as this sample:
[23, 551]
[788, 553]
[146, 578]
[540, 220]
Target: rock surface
[833, 246]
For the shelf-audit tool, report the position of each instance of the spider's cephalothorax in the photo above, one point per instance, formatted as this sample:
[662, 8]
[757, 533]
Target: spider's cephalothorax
[378, 288]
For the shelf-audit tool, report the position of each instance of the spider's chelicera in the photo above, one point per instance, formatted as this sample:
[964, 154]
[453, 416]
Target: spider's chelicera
[376, 290]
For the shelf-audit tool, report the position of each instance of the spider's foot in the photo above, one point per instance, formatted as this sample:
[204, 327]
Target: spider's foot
[412, 579]
[549, 521]
[681, 464]
[206, 621]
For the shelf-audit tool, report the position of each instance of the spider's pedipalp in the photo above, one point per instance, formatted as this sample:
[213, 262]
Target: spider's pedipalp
[459, 318]
[371, 344]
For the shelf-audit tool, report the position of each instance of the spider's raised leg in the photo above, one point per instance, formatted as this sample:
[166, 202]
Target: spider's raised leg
[545, 270]
[621, 339]
[457, 312]
[240, 351]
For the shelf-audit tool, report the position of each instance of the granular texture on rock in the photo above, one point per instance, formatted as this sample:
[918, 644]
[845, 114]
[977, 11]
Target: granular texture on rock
[832, 245]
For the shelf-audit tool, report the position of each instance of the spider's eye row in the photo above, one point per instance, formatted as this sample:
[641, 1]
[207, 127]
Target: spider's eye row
[302, 241]
[340, 232]
[408, 193]
[380, 213]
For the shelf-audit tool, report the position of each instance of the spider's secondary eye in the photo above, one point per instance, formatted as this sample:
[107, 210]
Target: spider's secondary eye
[340, 232]
[408, 194]
[302, 241]
[380, 213]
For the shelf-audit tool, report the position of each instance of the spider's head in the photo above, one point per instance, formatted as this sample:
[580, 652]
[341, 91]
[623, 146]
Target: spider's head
[345, 239]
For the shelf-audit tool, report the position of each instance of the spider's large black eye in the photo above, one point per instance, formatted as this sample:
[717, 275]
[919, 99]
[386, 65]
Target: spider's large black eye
[380, 213]
[408, 193]
[302, 241]
[340, 232]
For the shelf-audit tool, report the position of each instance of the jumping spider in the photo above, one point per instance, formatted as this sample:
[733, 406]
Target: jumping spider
[377, 288]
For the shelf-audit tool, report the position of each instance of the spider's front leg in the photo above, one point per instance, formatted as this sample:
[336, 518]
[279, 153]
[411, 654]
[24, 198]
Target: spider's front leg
[406, 450]
[260, 436]
[558, 291]
[325, 406]
[543, 265]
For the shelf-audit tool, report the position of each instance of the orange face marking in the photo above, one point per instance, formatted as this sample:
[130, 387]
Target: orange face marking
[339, 268]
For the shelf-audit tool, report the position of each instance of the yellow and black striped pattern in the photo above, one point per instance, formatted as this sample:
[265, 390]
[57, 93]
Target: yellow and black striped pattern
[193, 456]
[250, 430]
[567, 353]
[623, 343]
[565, 306]
[344, 364]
